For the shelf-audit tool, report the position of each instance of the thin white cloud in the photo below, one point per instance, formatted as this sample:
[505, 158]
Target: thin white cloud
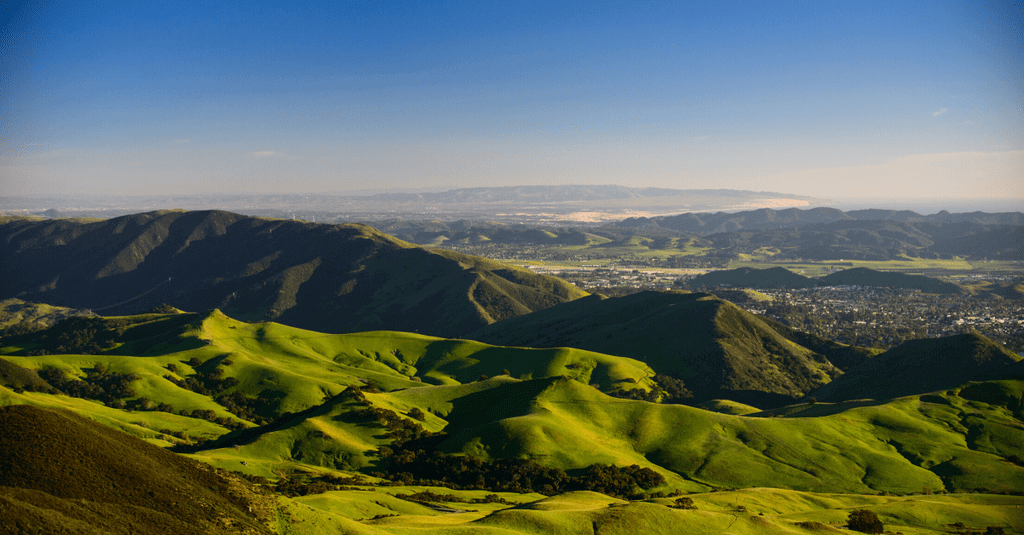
[939, 112]
[265, 153]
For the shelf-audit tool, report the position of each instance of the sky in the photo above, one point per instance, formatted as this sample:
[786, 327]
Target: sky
[834, 99]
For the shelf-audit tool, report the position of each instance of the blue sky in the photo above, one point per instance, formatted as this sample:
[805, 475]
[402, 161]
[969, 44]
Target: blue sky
[833, 99]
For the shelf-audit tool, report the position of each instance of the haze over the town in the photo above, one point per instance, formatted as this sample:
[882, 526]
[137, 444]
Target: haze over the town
[870, 100]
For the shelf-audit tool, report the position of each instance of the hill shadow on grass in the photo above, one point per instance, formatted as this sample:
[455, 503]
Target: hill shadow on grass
[244, 437]
[505, 401]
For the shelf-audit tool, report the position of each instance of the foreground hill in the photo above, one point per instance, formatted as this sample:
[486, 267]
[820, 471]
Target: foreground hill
[206, 501]
[334, 278]
[62, 473]
[715, 347]
[919, 366]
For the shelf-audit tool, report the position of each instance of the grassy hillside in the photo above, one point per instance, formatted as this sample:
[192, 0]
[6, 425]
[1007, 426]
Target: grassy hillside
[922, 366]
[716, 348]
[276, 402]
[192, 360]
[333, 278]
[32, 315]
[62, 473]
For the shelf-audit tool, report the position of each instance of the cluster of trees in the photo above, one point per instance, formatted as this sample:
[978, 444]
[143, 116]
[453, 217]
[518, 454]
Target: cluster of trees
[675, 390]
[209, 383]
[210, 416]
[426, 496]
[243, 406]
[961, 529]
[77, 335]
[293, 487]
[25, 327]
[212, 383]
[668, 389]
[421, 467]
[99, 383]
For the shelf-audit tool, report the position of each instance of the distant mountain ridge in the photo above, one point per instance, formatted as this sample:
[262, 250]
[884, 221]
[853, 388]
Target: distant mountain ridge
[333, 278]
[564, 193]
[813, 234]
[767, 218]
[779, 277]
[919, 366]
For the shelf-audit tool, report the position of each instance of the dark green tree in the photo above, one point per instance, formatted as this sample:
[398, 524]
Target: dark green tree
[864, 521]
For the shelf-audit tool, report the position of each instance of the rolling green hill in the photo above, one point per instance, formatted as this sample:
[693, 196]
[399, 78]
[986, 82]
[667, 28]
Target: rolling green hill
[323, 417]
[333, 278]
[716, 348]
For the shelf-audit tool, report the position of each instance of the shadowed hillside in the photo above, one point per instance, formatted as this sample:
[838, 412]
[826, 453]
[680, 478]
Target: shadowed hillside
[920, 366]
[716, 348]
[882, 279]
[777, 277]
[334, 278]
[62, 473]
[767, 218]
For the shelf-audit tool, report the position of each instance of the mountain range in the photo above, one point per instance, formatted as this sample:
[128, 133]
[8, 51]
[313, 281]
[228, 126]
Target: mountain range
[335, 278]
[769, 219]
[815, 234]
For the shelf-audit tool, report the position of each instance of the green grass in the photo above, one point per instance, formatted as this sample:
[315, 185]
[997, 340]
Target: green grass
[548, 410]
[551, 408]
[726, 406]
[748, 511]
[149, 426]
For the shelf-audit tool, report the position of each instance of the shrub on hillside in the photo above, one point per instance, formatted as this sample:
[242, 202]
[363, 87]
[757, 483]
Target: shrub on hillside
[684, 503]
[864, 521]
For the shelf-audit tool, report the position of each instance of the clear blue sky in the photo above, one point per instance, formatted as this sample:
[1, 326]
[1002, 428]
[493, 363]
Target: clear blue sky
[826, 98]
